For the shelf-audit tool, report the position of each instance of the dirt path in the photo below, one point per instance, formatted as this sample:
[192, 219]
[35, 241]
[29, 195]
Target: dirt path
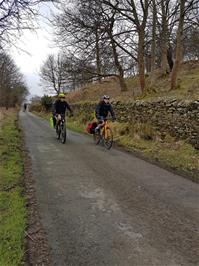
[103, 207]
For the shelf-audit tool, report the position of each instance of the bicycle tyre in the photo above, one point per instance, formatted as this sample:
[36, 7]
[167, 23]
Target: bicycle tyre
[58, 132]
[63, 134]
[96, 138]
[108, 142]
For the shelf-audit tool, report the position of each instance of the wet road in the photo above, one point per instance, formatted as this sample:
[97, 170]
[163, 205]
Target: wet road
[102, 207]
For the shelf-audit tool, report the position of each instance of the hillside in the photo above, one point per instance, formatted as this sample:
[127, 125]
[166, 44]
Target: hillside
[188, 87]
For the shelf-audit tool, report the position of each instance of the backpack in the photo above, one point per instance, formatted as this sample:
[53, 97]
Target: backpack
[91, 127]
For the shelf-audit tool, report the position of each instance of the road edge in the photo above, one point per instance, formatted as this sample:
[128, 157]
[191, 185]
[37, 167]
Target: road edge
[185, 174]
[37, 249]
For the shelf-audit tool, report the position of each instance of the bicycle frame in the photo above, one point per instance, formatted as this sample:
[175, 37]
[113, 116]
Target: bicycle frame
[104, 135]
[61, 129]
[104, 129]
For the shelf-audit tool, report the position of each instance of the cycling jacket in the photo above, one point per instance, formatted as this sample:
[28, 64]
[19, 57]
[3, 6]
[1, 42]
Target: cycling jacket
[102, 110]
[61, 107]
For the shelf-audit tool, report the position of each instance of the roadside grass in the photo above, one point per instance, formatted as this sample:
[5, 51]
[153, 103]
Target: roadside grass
[71, 123]
[42, 114]
[176, 154]
[76, 126]
[12, 201]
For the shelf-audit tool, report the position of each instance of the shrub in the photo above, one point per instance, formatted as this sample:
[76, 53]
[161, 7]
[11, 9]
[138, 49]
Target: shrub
[46, 102]
[35, 107]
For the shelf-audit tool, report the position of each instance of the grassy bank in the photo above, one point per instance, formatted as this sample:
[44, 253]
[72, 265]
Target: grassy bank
[158, 86]
[12, 201]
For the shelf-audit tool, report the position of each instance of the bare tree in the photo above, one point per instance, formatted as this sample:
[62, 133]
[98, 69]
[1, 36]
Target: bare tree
[53, 73]
[89, 30]
[178, 44]
[109, 37]
[164, 35]
[187, 13]
[136, 12]
[109, 21]
[153, 39]
[77, 28]
[191, 32]
[12, 86]
[16, 15]
[191, 43]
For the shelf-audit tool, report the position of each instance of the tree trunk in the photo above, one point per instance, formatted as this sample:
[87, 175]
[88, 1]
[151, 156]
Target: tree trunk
[164, 40]
[98, 63]
[153, 42]
[170, 57]
[148, 62]
[141, 65]
[118, 65]
[178, 45]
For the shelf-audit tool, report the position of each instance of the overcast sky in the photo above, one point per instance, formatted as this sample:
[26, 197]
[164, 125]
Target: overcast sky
[38, 45]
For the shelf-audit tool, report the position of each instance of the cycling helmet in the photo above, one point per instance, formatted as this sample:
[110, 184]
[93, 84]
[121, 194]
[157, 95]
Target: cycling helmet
[61, 95]
[106, 97]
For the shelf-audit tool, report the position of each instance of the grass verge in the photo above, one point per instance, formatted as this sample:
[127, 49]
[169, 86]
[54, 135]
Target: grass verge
[12, 202]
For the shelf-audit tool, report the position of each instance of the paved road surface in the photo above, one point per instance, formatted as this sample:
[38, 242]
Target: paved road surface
[102, 207]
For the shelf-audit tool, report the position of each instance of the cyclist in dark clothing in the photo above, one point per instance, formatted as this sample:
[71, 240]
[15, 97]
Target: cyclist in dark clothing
[59, 108]
[102, 110]
[25, 107]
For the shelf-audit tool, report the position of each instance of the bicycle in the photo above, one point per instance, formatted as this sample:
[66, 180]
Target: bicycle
[104, 135]
[61, 129]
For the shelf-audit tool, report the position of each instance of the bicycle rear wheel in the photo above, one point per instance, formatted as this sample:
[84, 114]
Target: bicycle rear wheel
[108, 139]
[63, 134]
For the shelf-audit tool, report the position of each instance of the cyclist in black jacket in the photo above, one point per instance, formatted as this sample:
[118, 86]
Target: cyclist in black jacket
[102, 110]
[59, 108]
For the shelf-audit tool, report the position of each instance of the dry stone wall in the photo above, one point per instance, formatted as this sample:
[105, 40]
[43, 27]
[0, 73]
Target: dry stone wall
[179, 118]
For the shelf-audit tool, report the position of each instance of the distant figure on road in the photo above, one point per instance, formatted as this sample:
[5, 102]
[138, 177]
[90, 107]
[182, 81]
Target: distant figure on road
[102, 110]
[25, 107]
[59, 108]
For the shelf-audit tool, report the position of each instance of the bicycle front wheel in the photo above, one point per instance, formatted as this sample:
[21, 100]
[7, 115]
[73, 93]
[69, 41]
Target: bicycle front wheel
[96, 137]
[63, 134]
[108, 138]
[58, 132]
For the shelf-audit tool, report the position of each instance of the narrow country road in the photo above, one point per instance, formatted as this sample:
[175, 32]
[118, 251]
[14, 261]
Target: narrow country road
[102, 207]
